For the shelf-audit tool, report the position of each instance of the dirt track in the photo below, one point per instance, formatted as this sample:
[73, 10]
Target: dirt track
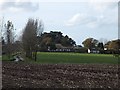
[24, 75]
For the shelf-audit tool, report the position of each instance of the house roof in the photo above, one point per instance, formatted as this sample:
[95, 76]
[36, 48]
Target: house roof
[60, 46]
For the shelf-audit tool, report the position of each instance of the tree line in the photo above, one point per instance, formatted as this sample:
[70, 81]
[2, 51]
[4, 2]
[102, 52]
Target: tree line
[112, 46]
[33, 39]
[28, 44]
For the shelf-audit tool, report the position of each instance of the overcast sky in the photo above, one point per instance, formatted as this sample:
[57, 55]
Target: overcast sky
[77, 19]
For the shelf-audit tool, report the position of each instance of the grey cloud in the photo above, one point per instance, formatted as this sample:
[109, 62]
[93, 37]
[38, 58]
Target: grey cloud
[26, 6]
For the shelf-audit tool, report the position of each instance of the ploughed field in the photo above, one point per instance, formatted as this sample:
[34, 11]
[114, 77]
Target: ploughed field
[33, 75]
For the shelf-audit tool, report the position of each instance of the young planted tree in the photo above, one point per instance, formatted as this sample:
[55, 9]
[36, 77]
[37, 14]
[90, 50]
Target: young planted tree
[32, 31]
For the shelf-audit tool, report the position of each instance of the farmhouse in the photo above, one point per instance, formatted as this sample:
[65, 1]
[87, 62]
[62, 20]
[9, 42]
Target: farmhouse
[93, 50]
[61, 48]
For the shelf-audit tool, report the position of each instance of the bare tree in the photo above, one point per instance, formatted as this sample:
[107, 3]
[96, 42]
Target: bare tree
[9, 37]
[32, 30]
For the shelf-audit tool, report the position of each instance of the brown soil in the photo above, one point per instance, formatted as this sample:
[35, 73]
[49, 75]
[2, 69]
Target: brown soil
[24, 75]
